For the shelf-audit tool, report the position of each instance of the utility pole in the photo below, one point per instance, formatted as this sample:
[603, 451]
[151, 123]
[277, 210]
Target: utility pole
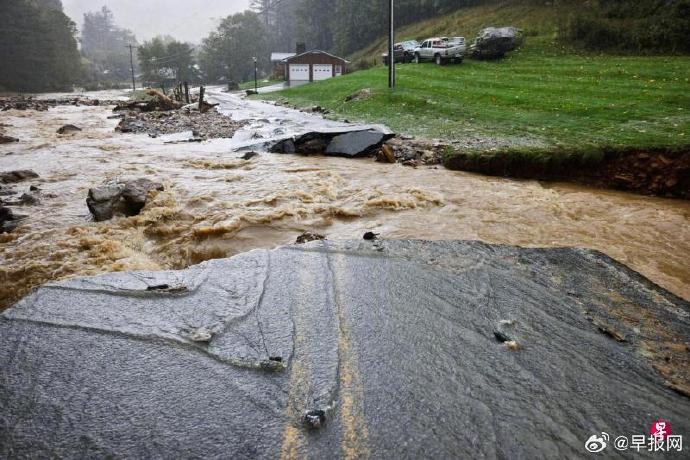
[256, 83]
[131, 62]
[391, 46]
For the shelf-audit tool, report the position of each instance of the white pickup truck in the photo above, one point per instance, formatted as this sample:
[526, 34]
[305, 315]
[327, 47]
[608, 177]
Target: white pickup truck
[441, 50]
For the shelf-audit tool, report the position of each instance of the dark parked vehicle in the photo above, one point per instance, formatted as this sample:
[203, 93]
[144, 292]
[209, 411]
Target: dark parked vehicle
[403, 51]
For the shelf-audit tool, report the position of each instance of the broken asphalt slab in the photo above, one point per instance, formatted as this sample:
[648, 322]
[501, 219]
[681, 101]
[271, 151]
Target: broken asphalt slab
[385, 349]
[347, 143]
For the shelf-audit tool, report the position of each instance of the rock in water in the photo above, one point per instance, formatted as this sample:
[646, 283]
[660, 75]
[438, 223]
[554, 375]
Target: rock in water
[127, 198]
[387, 346]
[8, 220]
[385, 154]
[135, 193]
[67, 129]
[249, 155]
[356, 143]
[7, 139]
[104, 201]
[11, 177]
[308, 237]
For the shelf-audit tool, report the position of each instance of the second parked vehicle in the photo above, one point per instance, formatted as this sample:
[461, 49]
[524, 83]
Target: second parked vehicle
[441, 50]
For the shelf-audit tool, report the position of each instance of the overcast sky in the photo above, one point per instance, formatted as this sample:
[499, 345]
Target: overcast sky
[186, 20]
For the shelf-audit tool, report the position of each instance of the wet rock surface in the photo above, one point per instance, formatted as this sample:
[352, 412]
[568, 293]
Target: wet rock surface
[247, 357]
[7, 139]
[8, 220]
[68, 129]
[12, 177]
[127, 198]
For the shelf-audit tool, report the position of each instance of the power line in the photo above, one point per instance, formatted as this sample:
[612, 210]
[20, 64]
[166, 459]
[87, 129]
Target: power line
[131, 62]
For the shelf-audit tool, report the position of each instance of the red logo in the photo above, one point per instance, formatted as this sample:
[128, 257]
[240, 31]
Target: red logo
[660, 430]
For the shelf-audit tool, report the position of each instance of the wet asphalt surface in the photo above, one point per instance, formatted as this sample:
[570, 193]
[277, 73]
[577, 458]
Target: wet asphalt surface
[394, 349]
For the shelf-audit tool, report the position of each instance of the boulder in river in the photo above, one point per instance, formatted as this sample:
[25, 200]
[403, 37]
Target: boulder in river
[7, 139]
[11, 177]
[67, 129]
[8, 220]
[127, 198]
[104, 201]
[387, 348]
[135, 193]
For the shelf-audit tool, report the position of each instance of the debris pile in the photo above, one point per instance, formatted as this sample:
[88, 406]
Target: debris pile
[411, 152]
[161, 115]
[209, 125]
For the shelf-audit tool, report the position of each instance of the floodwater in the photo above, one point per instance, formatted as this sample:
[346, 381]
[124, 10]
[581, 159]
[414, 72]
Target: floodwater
[217, 205]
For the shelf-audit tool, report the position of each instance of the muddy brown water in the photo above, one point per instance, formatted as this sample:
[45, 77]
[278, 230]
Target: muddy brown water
[216, 205]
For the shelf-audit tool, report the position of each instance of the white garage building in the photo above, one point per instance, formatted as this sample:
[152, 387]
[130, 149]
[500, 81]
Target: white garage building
[313, 66]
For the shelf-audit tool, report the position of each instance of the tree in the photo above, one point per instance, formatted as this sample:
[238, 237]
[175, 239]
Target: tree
[227, 53]
[104, 44]
[38, 49]
[164, 60]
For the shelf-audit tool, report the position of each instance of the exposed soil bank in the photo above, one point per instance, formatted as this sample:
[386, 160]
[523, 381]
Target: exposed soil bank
[660, 171]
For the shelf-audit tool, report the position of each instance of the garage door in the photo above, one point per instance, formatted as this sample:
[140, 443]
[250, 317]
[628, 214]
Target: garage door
[299, 72]
[323, 71]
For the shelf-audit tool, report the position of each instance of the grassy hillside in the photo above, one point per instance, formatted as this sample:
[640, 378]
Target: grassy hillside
[542, 99]
[540, 22]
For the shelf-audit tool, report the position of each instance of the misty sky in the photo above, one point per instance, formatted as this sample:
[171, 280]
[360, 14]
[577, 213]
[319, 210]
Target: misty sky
[187, 20]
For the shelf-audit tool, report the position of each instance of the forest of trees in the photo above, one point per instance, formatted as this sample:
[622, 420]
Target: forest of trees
[227, 54]
[104, 46]
[165, 61]
[342, 26]
[38, 49]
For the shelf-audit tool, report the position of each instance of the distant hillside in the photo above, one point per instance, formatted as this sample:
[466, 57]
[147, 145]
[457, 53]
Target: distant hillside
[623, 26]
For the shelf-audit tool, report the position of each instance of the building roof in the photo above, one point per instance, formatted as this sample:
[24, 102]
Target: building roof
[277, 57]
[315, 52]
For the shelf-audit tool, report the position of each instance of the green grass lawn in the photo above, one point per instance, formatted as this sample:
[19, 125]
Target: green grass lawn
[531, 97]
[542, 96]
[260, 84]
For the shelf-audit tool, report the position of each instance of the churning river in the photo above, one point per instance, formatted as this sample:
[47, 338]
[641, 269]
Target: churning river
[216, 205]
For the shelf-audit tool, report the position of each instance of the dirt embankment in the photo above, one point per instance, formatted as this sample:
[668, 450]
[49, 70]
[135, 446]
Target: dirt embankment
[660, 172]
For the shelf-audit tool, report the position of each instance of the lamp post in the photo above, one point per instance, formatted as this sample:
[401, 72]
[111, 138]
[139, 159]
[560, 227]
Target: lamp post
[256, 83]
[391, 45]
